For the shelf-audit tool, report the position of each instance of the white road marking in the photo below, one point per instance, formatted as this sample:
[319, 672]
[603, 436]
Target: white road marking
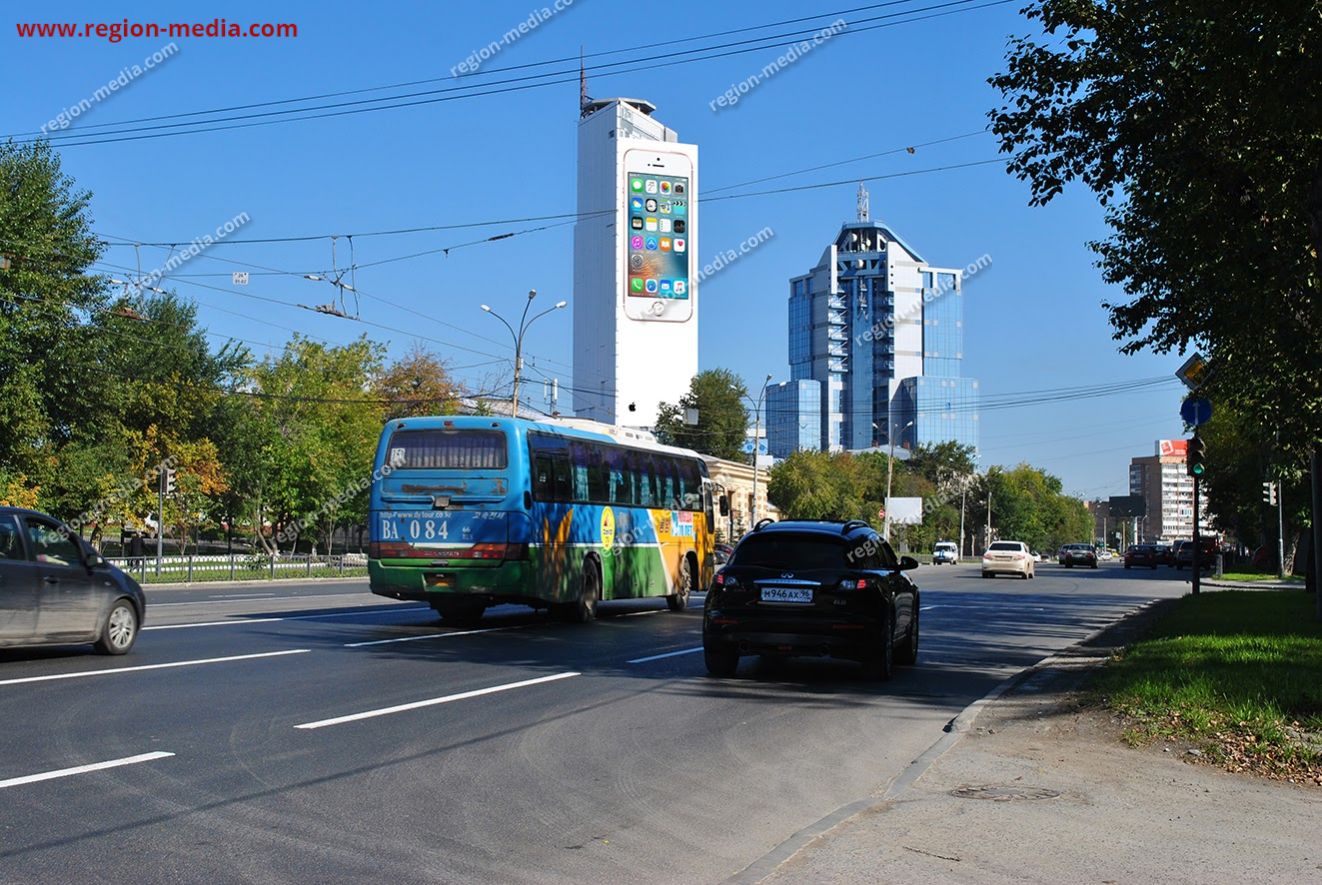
[669, 654]
[431, 702]
[240, 619]
[425, 636]
[212, 624]
[243, 596]
[265, 654]
[81, 769]
[923, 608]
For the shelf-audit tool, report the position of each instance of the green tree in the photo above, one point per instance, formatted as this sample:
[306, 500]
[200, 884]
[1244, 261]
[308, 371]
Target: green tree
[1199, 128]
[817, 485]
[417, 384]
[1241, 455]
[718, 396]
[313, 431]
[47, 373]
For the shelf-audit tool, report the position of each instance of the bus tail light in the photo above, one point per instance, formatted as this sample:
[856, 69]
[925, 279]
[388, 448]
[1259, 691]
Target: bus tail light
[484, 551]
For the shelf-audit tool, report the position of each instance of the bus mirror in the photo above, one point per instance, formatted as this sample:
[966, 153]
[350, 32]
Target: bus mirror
[725, 505]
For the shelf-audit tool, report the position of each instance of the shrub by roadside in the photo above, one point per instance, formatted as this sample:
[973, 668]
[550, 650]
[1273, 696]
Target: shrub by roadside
[1237, 675]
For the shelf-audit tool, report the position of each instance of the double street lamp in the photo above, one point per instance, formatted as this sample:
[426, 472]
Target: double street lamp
[757, 430]
[524, 323]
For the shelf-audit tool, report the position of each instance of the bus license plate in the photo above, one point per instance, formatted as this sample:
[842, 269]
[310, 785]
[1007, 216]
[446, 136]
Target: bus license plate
[798, 595]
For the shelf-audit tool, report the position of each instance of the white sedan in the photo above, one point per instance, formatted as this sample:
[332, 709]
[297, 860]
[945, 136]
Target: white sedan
[1008, 558]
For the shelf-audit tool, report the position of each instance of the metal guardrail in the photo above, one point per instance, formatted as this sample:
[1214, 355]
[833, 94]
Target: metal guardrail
[240, 567]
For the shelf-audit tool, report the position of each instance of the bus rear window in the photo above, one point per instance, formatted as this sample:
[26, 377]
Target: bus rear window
[447, 450]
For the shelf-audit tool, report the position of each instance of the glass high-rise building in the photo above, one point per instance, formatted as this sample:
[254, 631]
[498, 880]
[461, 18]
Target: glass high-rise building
[877, 334]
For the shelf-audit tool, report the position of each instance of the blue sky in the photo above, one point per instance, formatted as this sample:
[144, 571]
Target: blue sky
[1033, 319]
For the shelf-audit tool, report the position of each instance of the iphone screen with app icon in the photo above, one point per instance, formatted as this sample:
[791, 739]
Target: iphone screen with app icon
[657, 258]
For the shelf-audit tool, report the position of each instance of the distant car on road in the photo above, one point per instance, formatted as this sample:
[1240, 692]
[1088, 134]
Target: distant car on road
[1165, 554]
[1078, 554]
[56, 590]
[1008, 558]
[1141, 554]
[805, 587]
[1206, 556]
[722, 552]
[945, 552]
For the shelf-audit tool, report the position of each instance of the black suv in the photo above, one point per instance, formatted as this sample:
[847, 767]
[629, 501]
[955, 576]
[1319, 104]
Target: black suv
[813, 588]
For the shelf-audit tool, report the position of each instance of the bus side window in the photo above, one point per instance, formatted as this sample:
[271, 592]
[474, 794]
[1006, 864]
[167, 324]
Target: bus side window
[665, 482]
[643, 466]
[690, 486]
[599, 476]
[621, 478]
[564, 486]
[543, 477]
[591, 479]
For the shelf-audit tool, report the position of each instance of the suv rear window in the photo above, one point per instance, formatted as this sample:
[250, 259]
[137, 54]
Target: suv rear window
[447, 450]
[791, 552]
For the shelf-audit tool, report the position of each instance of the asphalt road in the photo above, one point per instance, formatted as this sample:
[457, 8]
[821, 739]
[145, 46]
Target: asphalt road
[317, 734]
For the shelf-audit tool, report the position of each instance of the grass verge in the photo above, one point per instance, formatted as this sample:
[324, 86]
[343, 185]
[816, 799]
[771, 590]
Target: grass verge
[1237, 675]
[1248, 577]
[201, 576]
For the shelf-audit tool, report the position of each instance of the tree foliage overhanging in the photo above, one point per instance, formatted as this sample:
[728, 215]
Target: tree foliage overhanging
[98, 389]
[1199, 127]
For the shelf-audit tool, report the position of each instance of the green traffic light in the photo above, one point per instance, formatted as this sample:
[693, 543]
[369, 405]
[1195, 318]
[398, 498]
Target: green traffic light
[1197, 470]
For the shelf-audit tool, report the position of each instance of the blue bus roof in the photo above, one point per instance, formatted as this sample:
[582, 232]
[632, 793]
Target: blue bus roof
[574, 428]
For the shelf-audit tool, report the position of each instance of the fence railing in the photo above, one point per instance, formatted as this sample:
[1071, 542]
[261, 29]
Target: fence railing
[241, 567]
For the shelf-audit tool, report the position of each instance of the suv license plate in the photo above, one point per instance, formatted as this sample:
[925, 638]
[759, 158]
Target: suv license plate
[787, 594]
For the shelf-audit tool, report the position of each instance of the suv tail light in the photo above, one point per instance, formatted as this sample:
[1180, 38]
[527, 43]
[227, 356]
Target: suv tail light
[729, 582]
[856, 584]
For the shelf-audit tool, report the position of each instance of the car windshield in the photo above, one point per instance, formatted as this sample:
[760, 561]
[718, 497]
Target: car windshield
[796, 552]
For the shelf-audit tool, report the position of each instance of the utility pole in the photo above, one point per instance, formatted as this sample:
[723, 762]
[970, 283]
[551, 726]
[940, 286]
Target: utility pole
[160, 514]
[1315, 569]
[1197, 541]
[1280, 534]
[963, 492]
[987, 539]
[757, 430]
[890, 471]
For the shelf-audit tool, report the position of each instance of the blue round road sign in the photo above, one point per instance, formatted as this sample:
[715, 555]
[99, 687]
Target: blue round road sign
[1196, 411]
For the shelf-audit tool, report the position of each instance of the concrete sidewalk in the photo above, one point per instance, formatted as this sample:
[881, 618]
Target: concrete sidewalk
[1042, 789]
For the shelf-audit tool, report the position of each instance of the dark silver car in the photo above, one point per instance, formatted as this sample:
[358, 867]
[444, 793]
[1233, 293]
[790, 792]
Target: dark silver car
[56, 590]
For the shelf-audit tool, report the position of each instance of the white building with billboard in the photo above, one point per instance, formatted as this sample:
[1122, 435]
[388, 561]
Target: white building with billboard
[635, 298]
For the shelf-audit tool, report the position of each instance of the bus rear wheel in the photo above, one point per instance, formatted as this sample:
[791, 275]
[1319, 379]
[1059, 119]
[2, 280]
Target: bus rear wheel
[584, 609]
[677, 602]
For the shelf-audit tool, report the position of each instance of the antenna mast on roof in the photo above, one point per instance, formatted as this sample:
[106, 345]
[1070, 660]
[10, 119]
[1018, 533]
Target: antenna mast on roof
[583, 99]
[862, 202]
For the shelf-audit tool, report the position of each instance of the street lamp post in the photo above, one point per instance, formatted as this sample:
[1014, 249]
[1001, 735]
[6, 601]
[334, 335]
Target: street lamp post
[757, 428]
[524, 323]
[890, 471]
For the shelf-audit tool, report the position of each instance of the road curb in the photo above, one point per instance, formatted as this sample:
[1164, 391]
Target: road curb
[954, 731]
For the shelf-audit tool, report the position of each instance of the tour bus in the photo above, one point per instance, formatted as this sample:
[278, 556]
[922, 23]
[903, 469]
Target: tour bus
[471, 511]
